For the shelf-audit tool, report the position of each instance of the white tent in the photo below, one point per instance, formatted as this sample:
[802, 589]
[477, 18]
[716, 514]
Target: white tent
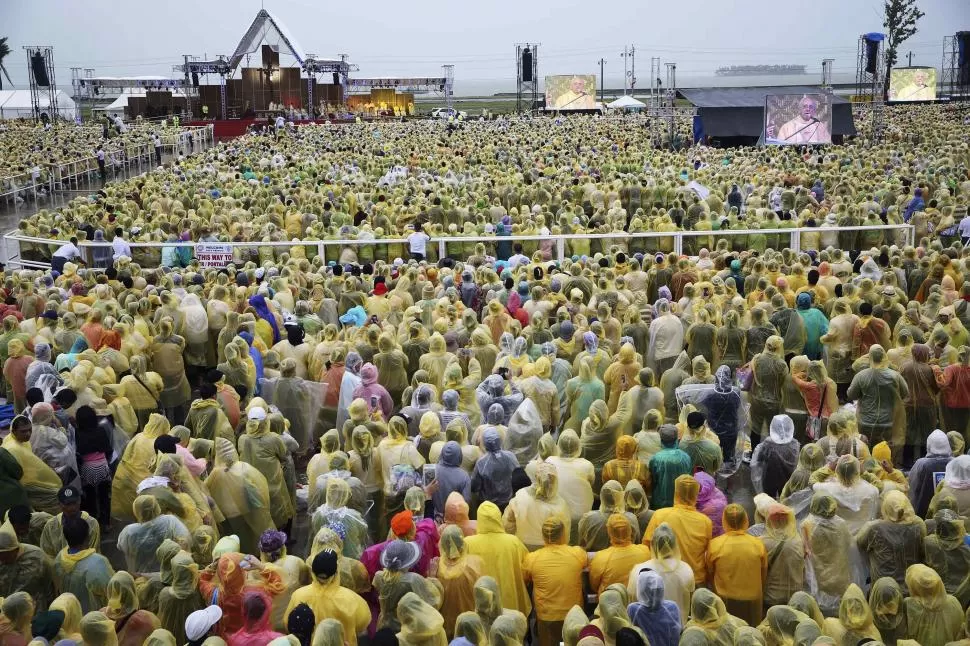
[15, 104]
[627, 102]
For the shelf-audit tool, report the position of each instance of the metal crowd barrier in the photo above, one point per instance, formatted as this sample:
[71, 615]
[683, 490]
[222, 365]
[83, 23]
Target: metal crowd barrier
[23, 191]
[20, 251]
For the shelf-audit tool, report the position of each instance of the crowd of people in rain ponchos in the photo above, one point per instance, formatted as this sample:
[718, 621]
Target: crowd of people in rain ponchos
[495, 448]
[26, 147]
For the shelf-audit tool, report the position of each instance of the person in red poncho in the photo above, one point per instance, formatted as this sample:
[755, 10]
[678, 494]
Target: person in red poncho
[224, 584]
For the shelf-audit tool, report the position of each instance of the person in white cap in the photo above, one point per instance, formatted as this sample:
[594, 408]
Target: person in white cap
[200, 624]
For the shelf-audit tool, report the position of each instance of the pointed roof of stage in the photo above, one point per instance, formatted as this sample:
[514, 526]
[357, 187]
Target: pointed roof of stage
[264, 26]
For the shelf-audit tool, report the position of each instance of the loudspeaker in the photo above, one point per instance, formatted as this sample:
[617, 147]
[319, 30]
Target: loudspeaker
[39, 67]
[336, 78]
[527, 65]
[963, 57]
[872, 55]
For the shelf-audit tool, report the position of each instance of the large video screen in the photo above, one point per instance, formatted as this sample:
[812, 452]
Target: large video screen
[912, 84]
[796, 119]
[575, 92]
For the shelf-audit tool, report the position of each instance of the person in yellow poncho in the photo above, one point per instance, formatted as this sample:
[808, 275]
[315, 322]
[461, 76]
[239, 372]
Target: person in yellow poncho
[932, 615]
[52, 537]
[267, 453]
[737, 564]
[39, 481]
[120, 409]
[692, 528]
[135, 466]
[206, 419]
[502, 554]
[80, 570]
[242, 495]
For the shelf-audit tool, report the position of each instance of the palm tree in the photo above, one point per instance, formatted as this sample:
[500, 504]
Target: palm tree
[4, 52]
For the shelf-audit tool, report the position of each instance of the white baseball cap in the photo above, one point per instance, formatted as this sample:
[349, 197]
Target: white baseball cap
[257, 414]
[200, 622]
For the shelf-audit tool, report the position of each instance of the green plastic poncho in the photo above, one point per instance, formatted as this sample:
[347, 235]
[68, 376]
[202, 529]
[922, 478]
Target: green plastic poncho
[179, 600]
[31, 570]
[948, 555]
[886, 604]
[581, 391]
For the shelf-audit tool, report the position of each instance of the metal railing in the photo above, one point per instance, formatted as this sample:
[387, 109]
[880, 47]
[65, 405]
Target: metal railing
[23, 191]
[18, 250]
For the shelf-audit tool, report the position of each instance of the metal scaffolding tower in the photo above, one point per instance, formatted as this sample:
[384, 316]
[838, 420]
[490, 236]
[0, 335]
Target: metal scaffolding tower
[871, 77]
[827, 73]
[527, 76]
[43, 85]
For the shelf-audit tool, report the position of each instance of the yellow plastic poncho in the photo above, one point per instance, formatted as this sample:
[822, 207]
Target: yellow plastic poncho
[708, 613]
[71, 607]
[457, 572]
[242, 495]
[353, 574]
[531, 506]
[854, 622]
[469, 625]
[39, 481]
[932, 615]
[267, 453]
[421, 624]
[489, 604]
[98, 630]
[135, 466]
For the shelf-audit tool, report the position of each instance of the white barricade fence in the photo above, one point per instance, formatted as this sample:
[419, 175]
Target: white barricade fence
[18, 250]
[23, 190]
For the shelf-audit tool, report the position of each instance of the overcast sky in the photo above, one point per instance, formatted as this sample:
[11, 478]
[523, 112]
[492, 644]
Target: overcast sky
[416, 37]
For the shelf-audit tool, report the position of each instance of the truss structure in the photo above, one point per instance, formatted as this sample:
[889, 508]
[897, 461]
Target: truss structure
[527, 92]
[43, 98]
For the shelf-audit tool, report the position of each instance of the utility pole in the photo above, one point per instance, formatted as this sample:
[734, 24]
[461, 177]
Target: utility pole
[602, 62]
[633, 68]
[626, 74]
[910, 61]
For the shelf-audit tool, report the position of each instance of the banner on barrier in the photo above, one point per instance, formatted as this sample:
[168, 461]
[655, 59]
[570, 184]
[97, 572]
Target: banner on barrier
[213, 256]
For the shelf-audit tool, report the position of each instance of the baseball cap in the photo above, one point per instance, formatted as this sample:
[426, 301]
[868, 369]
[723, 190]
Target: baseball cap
[257, 414]
[325, 563]
[200, 622]
[69, 495]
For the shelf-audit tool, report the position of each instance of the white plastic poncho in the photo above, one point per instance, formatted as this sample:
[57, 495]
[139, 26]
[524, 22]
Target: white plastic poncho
[299, 401]
[524, 431]
[858, 501]
[775, 455]
[532, 506]
[196, 328]
[139, 541]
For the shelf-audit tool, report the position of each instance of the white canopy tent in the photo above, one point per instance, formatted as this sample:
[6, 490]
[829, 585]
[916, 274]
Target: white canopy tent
[15, 104]
[627, 102]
